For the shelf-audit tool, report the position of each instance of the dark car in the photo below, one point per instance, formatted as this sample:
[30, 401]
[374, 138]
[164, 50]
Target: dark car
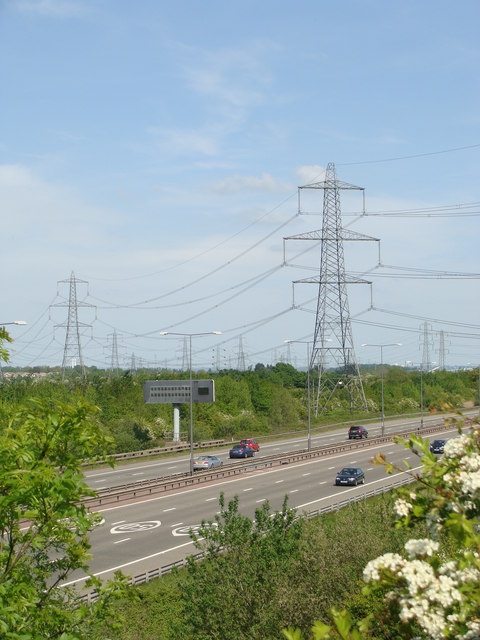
[350, 475]
[206, 462]
[357, 432]
[437, 446]
[251, 442]
[241, 451]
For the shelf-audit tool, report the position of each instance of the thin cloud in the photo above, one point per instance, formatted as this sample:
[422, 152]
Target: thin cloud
[265, 182]
[49, 8]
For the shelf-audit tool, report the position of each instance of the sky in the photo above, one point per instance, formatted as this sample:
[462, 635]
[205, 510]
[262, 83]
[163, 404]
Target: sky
[151, 155]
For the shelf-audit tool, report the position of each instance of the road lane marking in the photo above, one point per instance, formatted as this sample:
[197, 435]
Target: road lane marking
[307, 504]
[127, 564]
[119, 541]
[278, 481]
[135, 527]
[210, 499]
[261, 500]
[249, 489]
[202, 487]
[171, 509]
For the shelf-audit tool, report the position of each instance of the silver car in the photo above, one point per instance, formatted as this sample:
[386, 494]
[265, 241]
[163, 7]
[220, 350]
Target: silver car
[203, 463]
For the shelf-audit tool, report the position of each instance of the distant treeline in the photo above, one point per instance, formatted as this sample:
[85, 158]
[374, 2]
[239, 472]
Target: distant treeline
[261, 401]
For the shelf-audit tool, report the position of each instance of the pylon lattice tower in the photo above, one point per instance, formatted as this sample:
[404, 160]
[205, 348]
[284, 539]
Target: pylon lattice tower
[427, 346]
[241, 355]
[186, 355]
[114, 364]
[72, 354]
[441, 352]
[332, 346]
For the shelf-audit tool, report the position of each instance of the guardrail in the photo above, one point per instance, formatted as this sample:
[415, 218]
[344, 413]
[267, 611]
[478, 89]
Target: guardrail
[164, 484]
[145, 453]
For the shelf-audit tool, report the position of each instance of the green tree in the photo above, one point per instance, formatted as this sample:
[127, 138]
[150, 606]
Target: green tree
[229, 594]
[43, 524]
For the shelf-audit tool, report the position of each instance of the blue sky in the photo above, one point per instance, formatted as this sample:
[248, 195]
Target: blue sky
[154, 149]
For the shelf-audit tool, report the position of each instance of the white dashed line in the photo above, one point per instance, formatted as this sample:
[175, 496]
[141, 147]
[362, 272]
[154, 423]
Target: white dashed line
[210, 499]
[305, 474]
[123, 540]
[119, 522]
[278, 481]
[171, 509]
[294, 491]
[261, 500]
[249, 489]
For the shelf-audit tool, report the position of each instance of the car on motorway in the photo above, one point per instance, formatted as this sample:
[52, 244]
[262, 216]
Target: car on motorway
[437, 446]
[206, 462]
[357, 431]
[350, 475]
[241, 451]
[251, 442]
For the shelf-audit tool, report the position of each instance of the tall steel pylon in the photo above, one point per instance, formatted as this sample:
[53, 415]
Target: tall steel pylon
[241, 355]
[72, 353]
[332, 346]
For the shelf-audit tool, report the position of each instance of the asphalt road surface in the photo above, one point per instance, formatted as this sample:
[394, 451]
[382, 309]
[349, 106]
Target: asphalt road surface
[152, 533]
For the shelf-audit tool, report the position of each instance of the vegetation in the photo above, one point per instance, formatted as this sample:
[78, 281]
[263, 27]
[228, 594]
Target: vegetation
[43, 525]
[265, 400]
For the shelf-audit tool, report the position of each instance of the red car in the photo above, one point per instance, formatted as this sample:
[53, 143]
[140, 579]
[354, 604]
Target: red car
[251, 442]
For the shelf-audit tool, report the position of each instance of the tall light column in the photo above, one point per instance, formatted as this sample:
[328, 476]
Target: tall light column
[190, 336]
[4, 324]
[309, 436]
[390, 344]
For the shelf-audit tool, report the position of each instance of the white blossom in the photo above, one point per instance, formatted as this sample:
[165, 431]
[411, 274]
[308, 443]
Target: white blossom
[422, 547]
[389, 561]
[455, 447]
[402, 508]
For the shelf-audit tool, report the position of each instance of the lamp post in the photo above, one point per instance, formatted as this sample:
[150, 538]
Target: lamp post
[390, 344]
[4, 324]
[190, 336]
[309, 432]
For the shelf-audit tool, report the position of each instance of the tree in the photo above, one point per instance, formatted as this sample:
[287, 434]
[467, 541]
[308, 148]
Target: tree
[229, 594]
[43, 524]
[432, 590]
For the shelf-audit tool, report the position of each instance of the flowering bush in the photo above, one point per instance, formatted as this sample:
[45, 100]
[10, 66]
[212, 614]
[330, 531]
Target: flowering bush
[433, 593]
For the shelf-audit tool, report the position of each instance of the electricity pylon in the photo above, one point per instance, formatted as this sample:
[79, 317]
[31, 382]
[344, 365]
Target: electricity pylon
[241, 355]
[333, 353]
[72, 354]
[114, 364]
[427, 346]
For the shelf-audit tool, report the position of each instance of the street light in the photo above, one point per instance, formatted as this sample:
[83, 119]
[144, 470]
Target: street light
[309, 438]
[3, 324]
[390, 344]
[190, 336]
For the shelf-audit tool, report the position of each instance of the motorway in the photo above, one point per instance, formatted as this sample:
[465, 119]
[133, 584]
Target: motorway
[147, 534]
[179, 463]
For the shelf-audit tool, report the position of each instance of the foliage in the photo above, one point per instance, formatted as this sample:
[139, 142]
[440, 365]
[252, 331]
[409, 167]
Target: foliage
[268, 399]
[43, 525]
[431, 590]
[228, 595]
